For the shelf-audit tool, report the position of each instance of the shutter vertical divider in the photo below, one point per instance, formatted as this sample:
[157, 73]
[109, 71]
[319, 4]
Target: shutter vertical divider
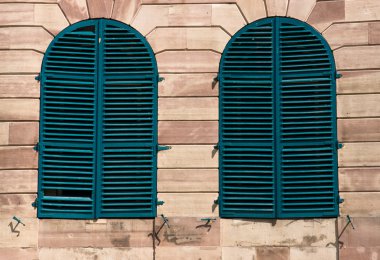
[100, 116]
[277, 115]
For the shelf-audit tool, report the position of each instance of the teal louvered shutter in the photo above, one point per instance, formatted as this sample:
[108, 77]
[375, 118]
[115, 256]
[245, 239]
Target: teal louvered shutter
[67, 147]
[308, 185]
[246, 141]
[98, 130]
[127, 186]
[277, 123]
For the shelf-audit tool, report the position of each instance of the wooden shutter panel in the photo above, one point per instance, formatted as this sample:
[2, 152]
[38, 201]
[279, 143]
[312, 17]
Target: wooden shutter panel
[67, 125]
[129, 79]
[308, 123]
[247, 124]
[98, 130]
[287, 127]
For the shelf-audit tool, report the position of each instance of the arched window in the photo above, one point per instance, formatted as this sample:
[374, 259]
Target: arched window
[98, 123]
[278, 137]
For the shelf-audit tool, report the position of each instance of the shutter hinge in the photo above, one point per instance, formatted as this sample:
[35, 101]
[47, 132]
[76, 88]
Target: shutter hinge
[36, 147]
[216, 147]
[341, 200]
[160, 79]
[338, 75]
[35, 203]
[159, 202]
[339, 145]
[38, 77]
[216, 202]
[163, 147]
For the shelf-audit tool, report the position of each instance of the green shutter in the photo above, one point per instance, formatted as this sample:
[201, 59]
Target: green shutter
[98, 130]
[277, 123]
[129, 78]
[247, 123]
[308, 184]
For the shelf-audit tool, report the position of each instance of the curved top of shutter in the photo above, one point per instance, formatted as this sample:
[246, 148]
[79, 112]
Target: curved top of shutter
[300, 32]
[98, 110]
[277, 122]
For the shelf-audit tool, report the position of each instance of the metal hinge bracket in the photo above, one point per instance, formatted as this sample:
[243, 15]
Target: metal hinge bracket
[38, 77]
[338, 75]
[36, 147]
[35, 203]
[339, 145]
[159, 202]
[163, 147]
[160, 79]
[216, 201]
[341, 200]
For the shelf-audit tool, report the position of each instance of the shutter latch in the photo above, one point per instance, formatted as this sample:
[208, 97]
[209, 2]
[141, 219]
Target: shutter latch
[35, 203]
[208, 220]
[18, 221]
[155, 233]
[349, 221]
[163, 147]
[166, 220]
